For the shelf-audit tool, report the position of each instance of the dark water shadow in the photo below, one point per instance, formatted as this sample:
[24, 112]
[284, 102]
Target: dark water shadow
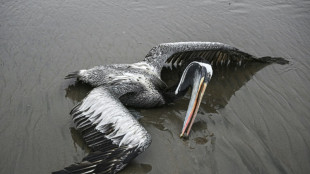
[136, 168]
[78, 91]
[78, 140]
[225, 82]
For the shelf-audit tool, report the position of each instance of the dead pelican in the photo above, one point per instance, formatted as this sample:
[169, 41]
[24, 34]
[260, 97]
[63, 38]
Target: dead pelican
[111, 131]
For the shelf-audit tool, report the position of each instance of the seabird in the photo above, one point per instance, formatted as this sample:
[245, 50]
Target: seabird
[114, 135]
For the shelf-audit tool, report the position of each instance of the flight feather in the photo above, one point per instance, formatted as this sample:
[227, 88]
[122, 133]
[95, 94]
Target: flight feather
[109, 129]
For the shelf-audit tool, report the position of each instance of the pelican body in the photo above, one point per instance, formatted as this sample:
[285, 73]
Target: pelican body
[111, 131]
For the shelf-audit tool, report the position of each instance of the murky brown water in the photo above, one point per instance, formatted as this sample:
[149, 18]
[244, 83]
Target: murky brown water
[253, 120]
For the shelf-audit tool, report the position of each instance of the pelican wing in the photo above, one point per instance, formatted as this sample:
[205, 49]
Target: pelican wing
[110, 130]
[182, 53]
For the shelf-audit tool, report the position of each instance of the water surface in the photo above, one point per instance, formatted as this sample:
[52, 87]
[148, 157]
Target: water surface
[252, 120]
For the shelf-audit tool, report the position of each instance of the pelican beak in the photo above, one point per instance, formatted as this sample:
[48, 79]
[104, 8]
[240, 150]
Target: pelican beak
[198, 90]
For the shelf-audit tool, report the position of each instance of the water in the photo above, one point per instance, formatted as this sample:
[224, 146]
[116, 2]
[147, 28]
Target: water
[253, 120]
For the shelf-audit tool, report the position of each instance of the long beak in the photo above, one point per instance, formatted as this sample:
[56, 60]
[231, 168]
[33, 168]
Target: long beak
[197, 93]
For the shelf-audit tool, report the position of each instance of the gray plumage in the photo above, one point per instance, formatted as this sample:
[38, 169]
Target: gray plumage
[107, 126]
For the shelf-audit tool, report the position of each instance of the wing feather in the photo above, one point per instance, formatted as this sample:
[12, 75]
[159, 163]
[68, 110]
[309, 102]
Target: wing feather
[214, 52]
[109, 129]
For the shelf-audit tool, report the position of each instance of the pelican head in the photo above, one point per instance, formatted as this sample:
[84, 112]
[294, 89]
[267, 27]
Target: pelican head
[196, 75]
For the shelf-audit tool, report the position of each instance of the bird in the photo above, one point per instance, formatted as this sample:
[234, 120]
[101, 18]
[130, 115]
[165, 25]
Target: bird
[111, 131]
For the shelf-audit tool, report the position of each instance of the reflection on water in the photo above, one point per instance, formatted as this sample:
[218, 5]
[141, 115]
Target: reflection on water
[138, 168]
[77, 91]
[254, 119]
[78, 140]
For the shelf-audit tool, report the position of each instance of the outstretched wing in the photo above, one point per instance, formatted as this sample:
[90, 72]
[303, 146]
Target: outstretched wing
[182, 53]
[110, 130]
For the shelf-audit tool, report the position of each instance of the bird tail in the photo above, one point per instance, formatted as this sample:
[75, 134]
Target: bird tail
[268, 59]
[74, 74]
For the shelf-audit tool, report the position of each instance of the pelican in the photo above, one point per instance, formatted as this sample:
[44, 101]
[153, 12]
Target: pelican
[111, 131]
